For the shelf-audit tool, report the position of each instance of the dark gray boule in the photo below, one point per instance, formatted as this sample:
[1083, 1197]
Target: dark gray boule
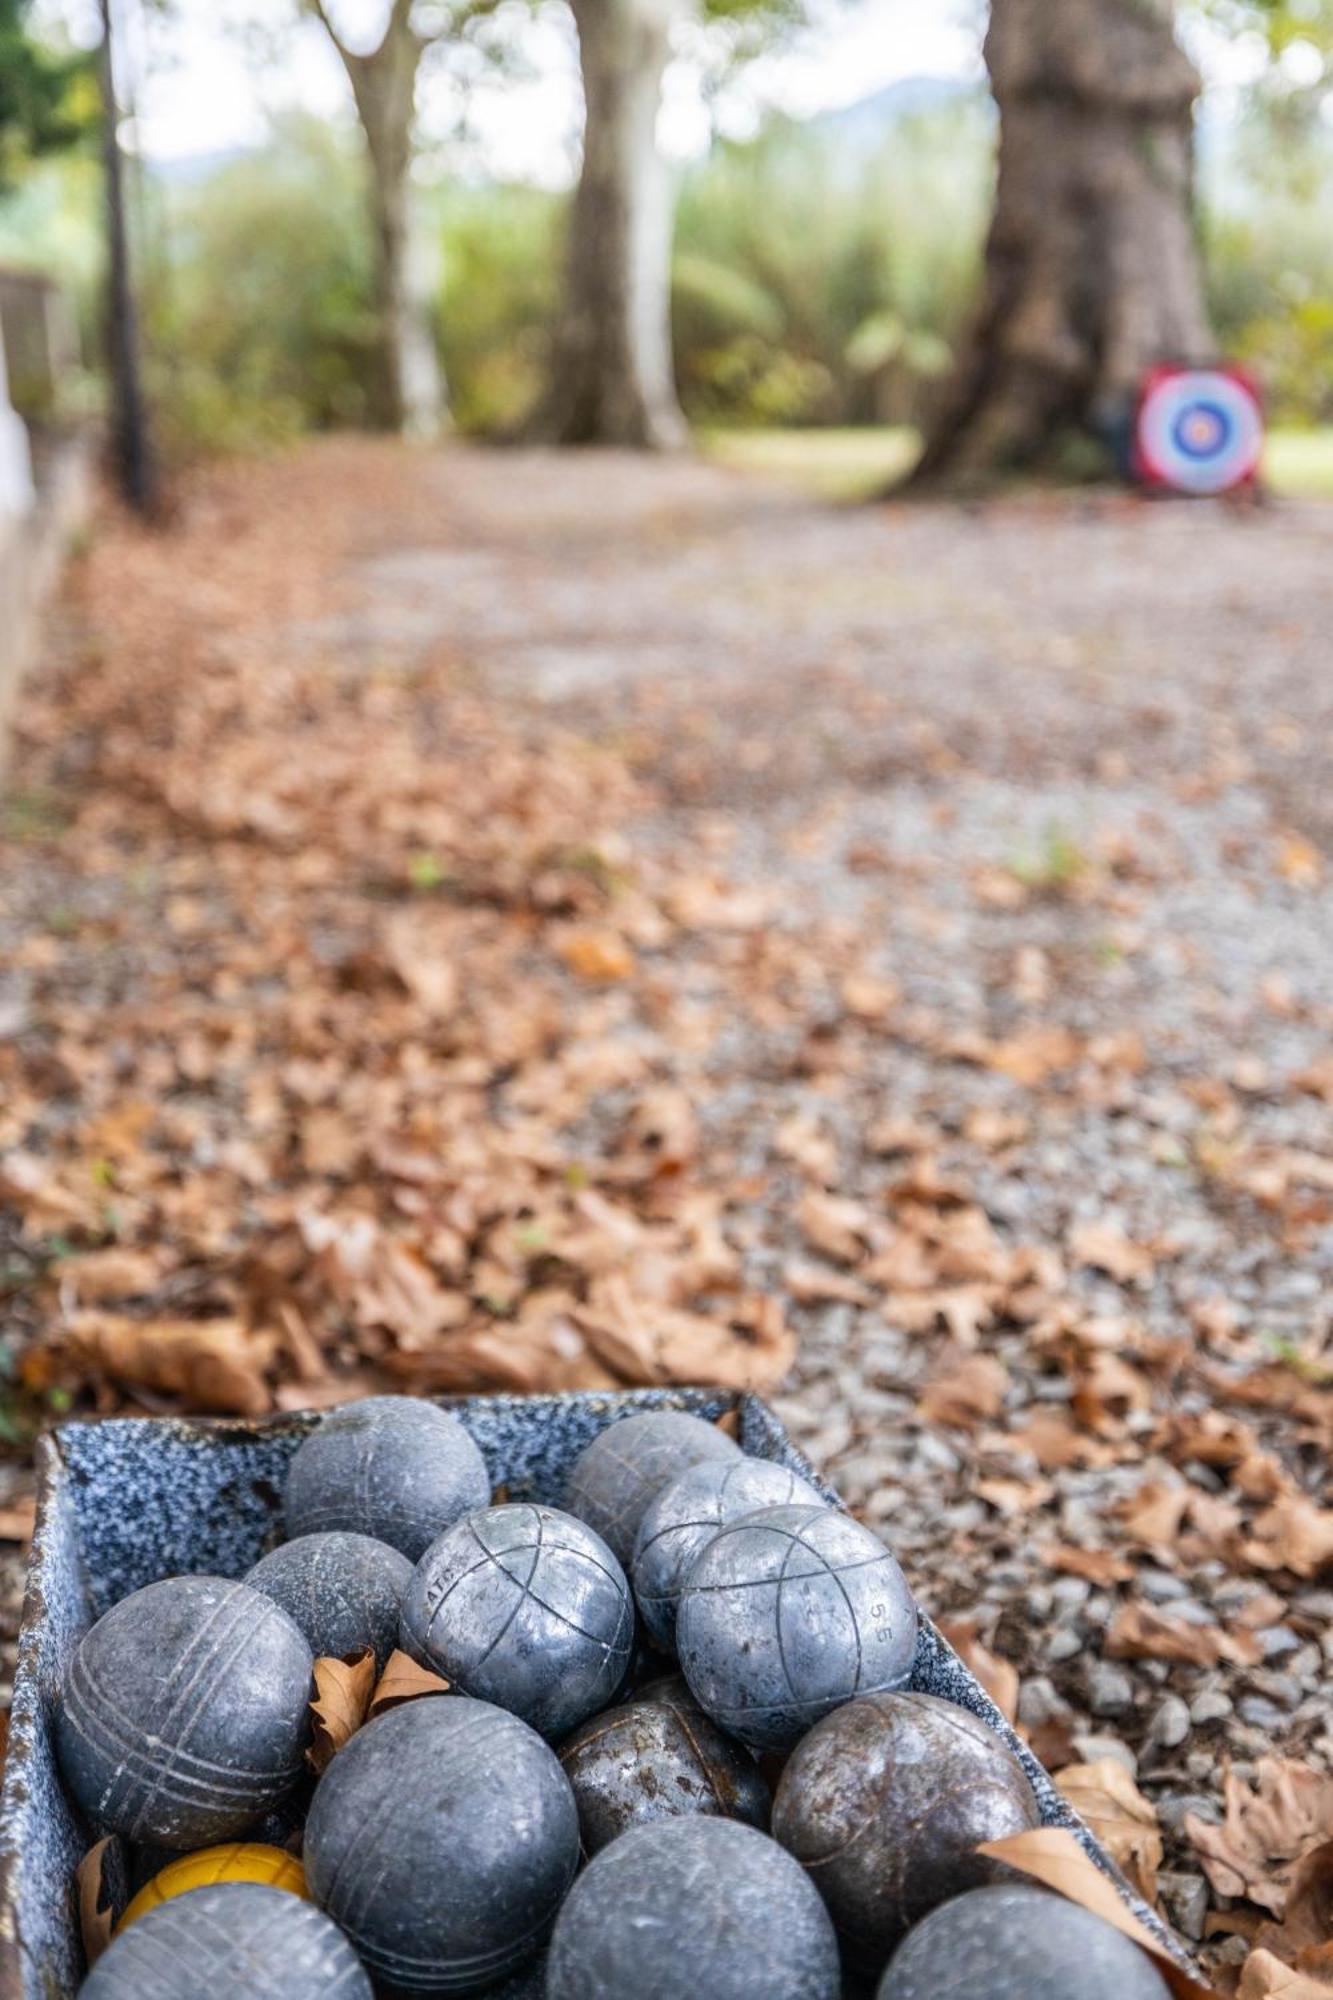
[391, 1467]
[1011, 1942]
[787, 1614]
[657, 1759]
[686, 1515]
[616, 1477]
[442, 1839]
[238, 1939]
[884, 1802]
[345, 1591]
[526, 1607]
[693, 1909]
[184, 1714]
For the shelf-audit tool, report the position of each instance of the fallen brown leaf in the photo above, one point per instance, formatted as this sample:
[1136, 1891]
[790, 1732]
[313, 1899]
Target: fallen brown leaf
[1141, 1632]
[1052, 1856]
[101, 1896]
[1104, 1794]
[1267, 1829]
[338, 1707]
[998, 1676]
[963, 1390]
[402, 1680]
[1106, 1248]
[212, 1364]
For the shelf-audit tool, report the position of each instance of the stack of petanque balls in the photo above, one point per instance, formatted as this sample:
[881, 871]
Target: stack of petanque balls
[678, 1754]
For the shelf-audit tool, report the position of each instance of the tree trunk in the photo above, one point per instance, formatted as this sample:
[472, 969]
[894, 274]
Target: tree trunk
[131, 439]
[1092, 271]
[410, 397]
[612, 375]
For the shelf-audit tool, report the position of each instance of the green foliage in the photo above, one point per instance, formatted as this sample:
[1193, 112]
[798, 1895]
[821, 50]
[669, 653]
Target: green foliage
[498, 299]
[46, 100]
[821, 282]
[1269, 264]
[260, 319]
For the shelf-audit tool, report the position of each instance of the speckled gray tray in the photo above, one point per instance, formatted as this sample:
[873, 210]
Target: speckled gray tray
[127, 1501]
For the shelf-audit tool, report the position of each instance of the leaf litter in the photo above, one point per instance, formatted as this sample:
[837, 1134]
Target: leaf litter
[368, 1026]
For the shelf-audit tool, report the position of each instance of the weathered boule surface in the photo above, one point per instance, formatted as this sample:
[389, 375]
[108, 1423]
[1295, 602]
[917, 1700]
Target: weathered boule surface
[1010, 1942]
[391, 1467]
[693, 1909]
[686, 1515]
[658, 1758]
[884, 1803]
[619, 1475]
[526, 1607]
[184, 1713]
[442, 1839]
[344, 1590]
[230, 1941]
[787, 1614]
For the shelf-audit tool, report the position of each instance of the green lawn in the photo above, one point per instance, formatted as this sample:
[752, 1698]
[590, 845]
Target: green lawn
[851, 464]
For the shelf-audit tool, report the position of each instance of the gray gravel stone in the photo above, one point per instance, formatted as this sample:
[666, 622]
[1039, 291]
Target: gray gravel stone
[1110, 1689]
[1170, 1724]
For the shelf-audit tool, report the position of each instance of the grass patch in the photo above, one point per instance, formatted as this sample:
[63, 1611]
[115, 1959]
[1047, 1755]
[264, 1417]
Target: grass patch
[853, 464]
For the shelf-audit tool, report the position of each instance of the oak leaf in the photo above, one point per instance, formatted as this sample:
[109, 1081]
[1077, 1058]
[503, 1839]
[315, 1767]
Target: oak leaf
[1104, 1794]
[403, 1680]
[343, 1688]
[1267, 1830]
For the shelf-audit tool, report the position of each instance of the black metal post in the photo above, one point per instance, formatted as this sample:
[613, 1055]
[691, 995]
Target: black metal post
[132, 449]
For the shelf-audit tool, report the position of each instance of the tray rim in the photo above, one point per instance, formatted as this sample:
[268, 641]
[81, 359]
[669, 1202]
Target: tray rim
[27, 1718]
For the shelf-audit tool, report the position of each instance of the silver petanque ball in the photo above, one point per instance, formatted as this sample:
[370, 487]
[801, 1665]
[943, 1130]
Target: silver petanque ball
[391, 1467]
[622, 1471]
[688, 1513]
[525, 1607]
[238, 1939]
[787, 1614]
[657, 1757]
[885, 1802]
[1012, 1942]
[184, 1716]
[442, 1839]
[693, 1909]
[345, 1591]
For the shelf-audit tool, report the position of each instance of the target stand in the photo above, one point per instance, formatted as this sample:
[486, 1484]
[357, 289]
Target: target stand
[1198, 431]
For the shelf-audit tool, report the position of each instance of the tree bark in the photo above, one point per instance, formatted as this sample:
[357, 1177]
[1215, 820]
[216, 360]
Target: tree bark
[411, 398]
[612, 376]
[1092, 271]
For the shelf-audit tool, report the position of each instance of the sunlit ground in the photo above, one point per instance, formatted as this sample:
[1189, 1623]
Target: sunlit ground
[849, 464]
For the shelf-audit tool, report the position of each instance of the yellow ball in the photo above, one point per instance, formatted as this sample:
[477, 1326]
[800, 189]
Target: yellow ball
[235, 1861]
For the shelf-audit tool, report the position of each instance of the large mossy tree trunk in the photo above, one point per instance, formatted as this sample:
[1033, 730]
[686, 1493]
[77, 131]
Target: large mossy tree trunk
[1092, 272]
[409, 395]
[612, 379]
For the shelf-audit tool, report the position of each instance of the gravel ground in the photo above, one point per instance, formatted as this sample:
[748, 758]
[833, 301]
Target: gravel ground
[1055, 767]
[884, 715]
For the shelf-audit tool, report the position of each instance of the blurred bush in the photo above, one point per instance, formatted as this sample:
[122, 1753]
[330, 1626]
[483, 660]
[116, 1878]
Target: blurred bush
[1269, 257]
[259, 314]
[821, 279]
[499, 293]
[823, 274]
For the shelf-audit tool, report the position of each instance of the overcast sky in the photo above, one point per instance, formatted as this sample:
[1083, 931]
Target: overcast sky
[201, 94]
[200, 91]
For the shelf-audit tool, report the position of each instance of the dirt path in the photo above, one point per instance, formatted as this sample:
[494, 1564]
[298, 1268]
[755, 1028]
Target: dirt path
[1020, 1084]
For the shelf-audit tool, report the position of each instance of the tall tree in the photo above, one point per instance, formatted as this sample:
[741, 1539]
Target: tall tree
[1092, 271]
[384, 87]
[612, 380]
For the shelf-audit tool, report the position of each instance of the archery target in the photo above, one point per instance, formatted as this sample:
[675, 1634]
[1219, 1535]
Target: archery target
[1200, 430]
